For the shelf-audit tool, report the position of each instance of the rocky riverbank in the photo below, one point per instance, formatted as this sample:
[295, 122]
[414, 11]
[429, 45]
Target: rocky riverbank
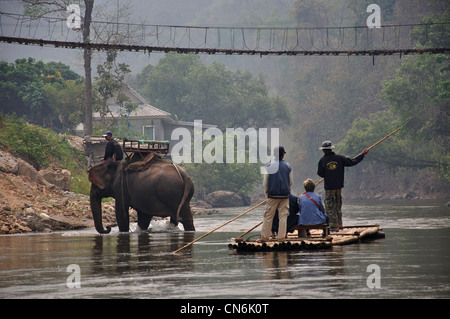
[39, 201]
[27, 206]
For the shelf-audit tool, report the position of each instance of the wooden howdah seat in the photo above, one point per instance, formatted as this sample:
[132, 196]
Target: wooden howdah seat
[139, 149]
[303, 228]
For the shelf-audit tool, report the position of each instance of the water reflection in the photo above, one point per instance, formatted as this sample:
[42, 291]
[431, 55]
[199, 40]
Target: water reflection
[302, 265]
[143, 252]
[414, 262]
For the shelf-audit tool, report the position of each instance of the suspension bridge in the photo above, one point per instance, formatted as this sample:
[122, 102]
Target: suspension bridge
[350, 40]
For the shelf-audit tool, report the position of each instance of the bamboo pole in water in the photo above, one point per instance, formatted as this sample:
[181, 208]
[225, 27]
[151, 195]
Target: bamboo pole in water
[248, 210]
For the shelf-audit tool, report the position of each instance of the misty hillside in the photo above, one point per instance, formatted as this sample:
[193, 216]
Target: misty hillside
[326, 96]
[352, 101]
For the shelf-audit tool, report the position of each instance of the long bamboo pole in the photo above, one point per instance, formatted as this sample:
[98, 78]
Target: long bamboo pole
[320, 181]
[233, 219]
[370, 147]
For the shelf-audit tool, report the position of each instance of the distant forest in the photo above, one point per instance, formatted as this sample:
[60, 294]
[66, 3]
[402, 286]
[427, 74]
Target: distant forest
[351, 101]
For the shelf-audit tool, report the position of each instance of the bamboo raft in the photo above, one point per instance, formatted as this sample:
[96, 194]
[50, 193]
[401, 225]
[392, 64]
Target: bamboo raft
[347, 235]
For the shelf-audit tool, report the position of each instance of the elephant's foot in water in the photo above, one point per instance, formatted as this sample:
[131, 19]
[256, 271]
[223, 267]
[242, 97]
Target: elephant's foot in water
[173, 221]
[144, 220]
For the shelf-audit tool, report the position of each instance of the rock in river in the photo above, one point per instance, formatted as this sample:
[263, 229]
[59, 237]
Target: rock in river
[225, 199]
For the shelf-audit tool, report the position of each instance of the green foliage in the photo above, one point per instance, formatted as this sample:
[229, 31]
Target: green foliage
[189, 90]
[421, 85]
[110, 79]
[419, 97]
[357, 103]
[165, 84]
[436, 35]
[46, 94]
[67, 101]
[364, 132]
[237, 177]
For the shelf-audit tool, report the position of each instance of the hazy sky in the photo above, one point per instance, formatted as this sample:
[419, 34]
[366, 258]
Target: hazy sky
[168, 12]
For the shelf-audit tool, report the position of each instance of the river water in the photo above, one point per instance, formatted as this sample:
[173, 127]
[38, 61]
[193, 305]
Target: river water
[413, 261]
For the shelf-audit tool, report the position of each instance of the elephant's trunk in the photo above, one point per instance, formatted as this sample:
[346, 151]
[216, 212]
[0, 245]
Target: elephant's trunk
[96, 208]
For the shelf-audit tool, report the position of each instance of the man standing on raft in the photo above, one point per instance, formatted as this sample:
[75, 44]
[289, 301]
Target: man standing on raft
[277, 186]
[331, 168]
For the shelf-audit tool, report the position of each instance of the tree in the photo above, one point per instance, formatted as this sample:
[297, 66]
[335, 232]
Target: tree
[42, 8]
[66, 101]
[236, 177]
[110, 80]
[16, 85]
[189, 90]
[165, 84]
[418, 96]
[89, 5]
[46, 94]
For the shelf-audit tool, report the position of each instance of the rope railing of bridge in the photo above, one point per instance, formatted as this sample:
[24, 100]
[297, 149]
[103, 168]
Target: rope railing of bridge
[350, 40]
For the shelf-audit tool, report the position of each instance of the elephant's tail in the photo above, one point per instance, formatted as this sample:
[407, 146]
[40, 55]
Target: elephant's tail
[187, 190]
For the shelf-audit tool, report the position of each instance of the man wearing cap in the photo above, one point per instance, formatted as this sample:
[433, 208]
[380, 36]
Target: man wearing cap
[331, 168]
[277, 186]
[113, 150]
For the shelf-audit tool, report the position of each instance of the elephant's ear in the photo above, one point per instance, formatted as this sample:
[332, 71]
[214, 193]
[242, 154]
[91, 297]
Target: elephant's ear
[97, 176]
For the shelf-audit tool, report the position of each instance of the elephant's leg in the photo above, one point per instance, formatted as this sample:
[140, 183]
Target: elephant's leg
[173, 221]
[122, 216]
[144, 220]
[186, 218]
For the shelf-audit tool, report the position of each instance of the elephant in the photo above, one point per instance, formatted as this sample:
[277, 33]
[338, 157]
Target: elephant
[159, 189]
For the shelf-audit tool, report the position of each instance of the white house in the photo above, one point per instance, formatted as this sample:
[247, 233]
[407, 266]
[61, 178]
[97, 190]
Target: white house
[147, 120]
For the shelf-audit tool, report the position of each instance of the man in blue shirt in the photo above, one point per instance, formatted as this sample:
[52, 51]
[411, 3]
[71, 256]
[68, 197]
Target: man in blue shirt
[311, 210]
[277, 186]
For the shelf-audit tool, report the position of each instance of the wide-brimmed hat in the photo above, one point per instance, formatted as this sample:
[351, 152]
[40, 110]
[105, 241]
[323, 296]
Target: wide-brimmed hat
[326, 145]
[107, 133]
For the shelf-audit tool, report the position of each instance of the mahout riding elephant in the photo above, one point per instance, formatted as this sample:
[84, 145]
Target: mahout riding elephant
[157, 188]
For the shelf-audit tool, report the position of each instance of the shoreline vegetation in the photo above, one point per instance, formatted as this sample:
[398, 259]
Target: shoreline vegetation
[44, 185]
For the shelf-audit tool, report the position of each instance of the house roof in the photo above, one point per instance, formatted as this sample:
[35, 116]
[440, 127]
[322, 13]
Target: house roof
[144, 109]
[149, 111]
[192, 124]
